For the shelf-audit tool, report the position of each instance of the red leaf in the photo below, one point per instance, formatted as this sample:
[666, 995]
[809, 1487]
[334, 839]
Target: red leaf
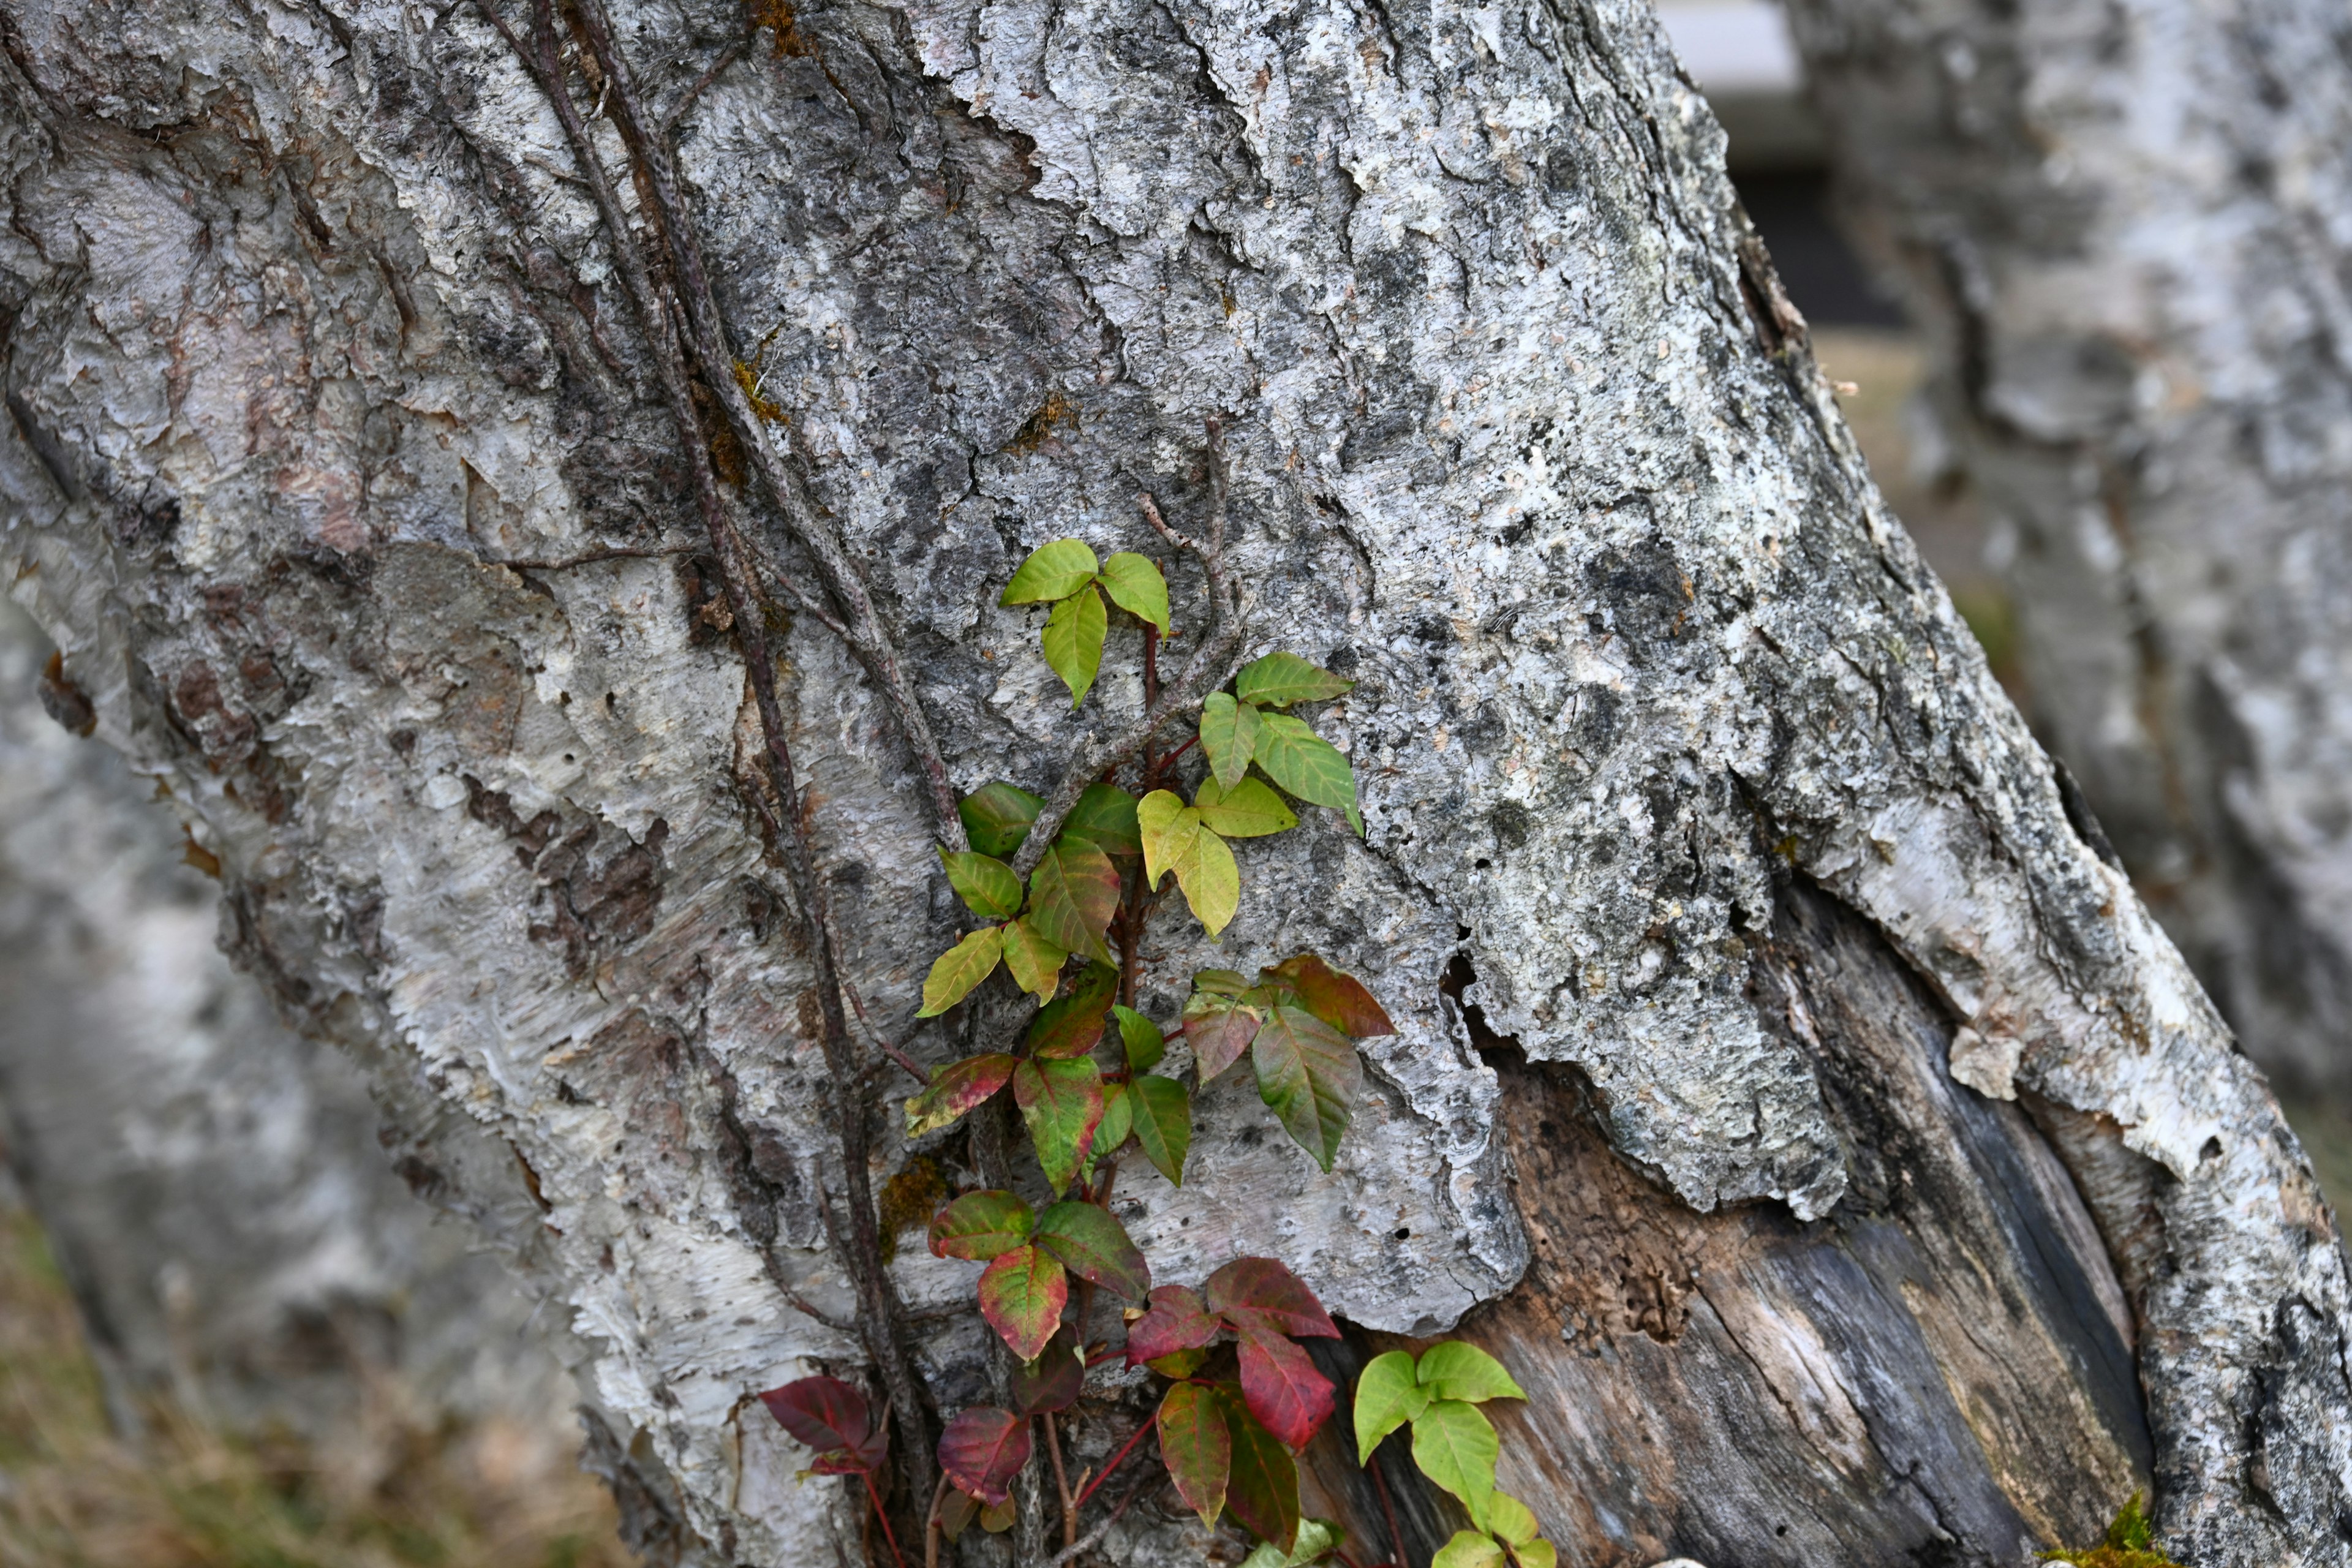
[1283, 1390]
[1054, 1380]
[1071, 1026]
[1022, 1295]
[1175, 1322]
[983, 1449]
[955, 1089]
[1062, 1102]
[1251, 1291]
[1264, 1490]
[1197, 1449]
[1218, 1022]
[1333, 996]
[1073, 893]
[833, 1417]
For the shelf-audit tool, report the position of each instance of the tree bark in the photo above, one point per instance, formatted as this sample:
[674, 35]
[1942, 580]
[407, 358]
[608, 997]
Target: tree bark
[2122, 228]
[1698, 838]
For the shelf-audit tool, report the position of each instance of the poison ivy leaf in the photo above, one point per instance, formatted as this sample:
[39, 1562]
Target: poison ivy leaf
[1175, 840]
[1177, 1322]
[1283, 1389]
[1228, 737]
[1118, 1120]
[1337, 997]
[1034, 962]
[996, 1518]
[1318, 1540]
[1197, 1448]
[986, 885]
[1074, 641]
[1178, 1363]
[1072, 1025]
[1536, 1555]
[1455, 1445]
[955, 972]
[1221, 1018]
[980, 1226]
[1387, 1397]
[1457, 1371]
[996, 817]
[955, 1089]
[1022, 1295]
[1053, 1381]
[1161, 1111]
[1054, 570]
[1279, 679]
[956, 1512]
[1073, 893]
[1105, 818]
[1513, 1522]
[1062, 1102]
[1264, 1490]
[1468, 1549]
[1144, 1043]
[1167, 826]
[833, 1417]
[1094, 1247]
[1308, 1076]
[1247, 810]
[1262, 1286]
[983, 1449]
[1305, 764]
[1135, 586]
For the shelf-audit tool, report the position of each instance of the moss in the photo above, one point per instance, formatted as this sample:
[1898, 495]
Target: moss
[910, 1198]
[2130, 1543]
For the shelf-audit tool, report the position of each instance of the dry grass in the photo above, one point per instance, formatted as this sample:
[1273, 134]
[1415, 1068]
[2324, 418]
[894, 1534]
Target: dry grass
[73, 1494]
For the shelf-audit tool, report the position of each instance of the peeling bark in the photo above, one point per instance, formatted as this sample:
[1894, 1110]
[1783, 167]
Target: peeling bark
[2124, 228]
[340, 471]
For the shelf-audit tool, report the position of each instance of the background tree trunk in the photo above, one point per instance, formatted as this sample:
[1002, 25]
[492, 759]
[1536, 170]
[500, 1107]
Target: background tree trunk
[1702, 852]
[2123, 230]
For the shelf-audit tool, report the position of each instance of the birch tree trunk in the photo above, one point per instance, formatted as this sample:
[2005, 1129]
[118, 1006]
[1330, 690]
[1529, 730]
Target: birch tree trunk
[1820, 1130]
[2126, 229]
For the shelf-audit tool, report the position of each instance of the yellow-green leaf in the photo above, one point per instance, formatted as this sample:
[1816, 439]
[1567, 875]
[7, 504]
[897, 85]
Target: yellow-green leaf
[1135, 586]
[1455, 1445]
[1117, 1119]
[1468, 1549]
[1513, 1522]
[1305, 764]
[1034, 963]
[1279, 679]
[1212, 882]
[1073, 894]
[1228, 737]
[986, 885]
[1160, 1112]
[1167, 826]
[959, 969]
[1318, 1540]
[1536, 1555]
[1387, 1397]
[1247, 810]
[1054, 569]
[1074, 641]
[1457, 1371]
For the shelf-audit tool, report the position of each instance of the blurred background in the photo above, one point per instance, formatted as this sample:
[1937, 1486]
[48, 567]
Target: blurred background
[232, 1329]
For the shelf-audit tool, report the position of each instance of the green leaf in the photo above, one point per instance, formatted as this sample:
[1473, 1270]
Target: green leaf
[1118, 1119]
[1457, 1371]
[955, 972]
[1095, 1247]
[1536, 1555]
[1073, 894]
[1221, 1018]
[1105, 818]
[1337, 997]
[986, 885]
[1135, 586]
[1174, 840]
[1308, 1076]
[1318, 1539]
[1305, 764]
[955, 1089]
[1022, 1295]
[1178, 1363]
[980, 1226]
[1144, 1042]
[1167, 826]
[1054, 570]
[1036, 964]
[1074, 641]
[1513, 1522]
[1162, 1111]
[1248, 810]
[996, 817]
[1264, 1488]
[1228, 737]
[1062, 1102]
[1455, 1445]
[1197, 1448]
[1468, 1549]
[1279, 679]
[1072, 1025]
[1386, 1398]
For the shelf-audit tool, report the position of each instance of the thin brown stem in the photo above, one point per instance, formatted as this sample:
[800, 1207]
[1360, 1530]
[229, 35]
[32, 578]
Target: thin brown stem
[1094, 1537]
[893, 1052]
[931, 1525]
[1062, 1483]
[1388, 1511]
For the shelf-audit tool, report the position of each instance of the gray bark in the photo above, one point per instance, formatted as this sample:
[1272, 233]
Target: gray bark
[1699, 839]
[209, 1180]
[2124, 227]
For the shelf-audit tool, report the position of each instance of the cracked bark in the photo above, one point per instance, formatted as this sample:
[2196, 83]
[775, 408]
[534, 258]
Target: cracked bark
[1699, 842]
[2123, 229]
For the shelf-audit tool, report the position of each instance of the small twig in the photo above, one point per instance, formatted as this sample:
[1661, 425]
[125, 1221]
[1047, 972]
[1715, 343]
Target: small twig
[893, 1052]
[1062, 1482]
[589, 558]
[727, 56]
[931, 1525]
[1069, 1553]
[802, 1305]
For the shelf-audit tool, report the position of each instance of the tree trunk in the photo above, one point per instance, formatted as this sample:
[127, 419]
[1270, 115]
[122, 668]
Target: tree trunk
[345, 466]
[2122, 228]
[209, 1180]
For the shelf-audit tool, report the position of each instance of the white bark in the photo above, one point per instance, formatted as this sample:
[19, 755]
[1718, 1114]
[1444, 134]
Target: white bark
[2127, 228]
[313, 332]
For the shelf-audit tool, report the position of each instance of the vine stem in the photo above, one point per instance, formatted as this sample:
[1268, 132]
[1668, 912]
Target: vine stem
[881, 1325]
[1094, 1537]
[884, 1515]
[1116, 1460]
[1062, 1482]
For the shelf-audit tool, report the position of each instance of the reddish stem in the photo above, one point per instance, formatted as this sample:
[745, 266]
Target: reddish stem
[1116, 1460]
[1388, 1508]
[1179, 751]
[879, 1512]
